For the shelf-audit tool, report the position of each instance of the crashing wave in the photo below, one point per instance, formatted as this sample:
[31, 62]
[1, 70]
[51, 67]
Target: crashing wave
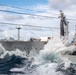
[49, 61]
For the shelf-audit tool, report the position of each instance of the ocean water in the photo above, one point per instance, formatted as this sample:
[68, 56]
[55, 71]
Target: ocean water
[49, 61]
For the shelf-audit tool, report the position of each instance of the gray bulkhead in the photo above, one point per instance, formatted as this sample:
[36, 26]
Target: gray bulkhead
[23, 45]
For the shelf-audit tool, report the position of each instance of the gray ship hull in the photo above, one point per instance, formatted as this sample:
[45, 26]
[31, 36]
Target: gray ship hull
[23, 45]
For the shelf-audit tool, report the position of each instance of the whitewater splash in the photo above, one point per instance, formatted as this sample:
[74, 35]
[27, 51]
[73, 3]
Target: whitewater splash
[49, 61]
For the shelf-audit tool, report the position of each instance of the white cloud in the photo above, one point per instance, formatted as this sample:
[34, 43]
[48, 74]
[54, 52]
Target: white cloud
[25, 19]
[61, 4]
[5, 34]
[12, 17]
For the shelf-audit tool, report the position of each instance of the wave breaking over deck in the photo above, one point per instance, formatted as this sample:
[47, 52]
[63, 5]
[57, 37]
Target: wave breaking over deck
[49, 61]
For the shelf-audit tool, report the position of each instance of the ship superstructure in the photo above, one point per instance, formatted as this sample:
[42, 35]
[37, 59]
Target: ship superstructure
[36, 44]
[23, 45]
[33, 43]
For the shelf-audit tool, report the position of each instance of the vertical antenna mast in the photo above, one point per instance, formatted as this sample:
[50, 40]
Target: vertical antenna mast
[63, 25]
[18, 28]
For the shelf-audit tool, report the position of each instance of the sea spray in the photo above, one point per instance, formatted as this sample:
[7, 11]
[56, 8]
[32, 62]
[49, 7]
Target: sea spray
[52, 51]
[52, 54]
[16, 52]
[49, 61]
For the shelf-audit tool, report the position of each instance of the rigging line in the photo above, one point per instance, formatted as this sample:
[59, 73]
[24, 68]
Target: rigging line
[38, 30]
[26, 9]
[31, 26]
[59, 14]
[28, 25]
[11, 24]
[71, 19]
[14, 7]
[34, 15]
[31, 9]
[52, 13]
[21, 8]
[27, 14]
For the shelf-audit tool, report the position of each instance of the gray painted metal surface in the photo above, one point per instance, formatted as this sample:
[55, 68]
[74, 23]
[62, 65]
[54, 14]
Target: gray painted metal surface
[23, 45]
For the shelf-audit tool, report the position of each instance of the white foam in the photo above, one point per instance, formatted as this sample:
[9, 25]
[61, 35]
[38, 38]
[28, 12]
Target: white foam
[47, 60]
[17, 52]
[52, 55]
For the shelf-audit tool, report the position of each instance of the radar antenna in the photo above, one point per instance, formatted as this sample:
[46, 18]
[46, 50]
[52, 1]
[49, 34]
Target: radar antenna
[18, 28]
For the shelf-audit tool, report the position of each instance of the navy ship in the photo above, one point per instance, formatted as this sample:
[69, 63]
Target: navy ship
[37, 44]
[27, 46]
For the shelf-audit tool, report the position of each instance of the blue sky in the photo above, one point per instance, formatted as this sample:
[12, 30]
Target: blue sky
[23, 2]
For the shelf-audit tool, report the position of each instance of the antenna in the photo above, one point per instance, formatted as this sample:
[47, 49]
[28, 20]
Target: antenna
[18, 28]
[63, 24]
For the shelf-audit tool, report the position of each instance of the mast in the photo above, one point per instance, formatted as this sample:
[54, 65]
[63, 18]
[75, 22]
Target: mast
[18, 28]
[63, 25]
